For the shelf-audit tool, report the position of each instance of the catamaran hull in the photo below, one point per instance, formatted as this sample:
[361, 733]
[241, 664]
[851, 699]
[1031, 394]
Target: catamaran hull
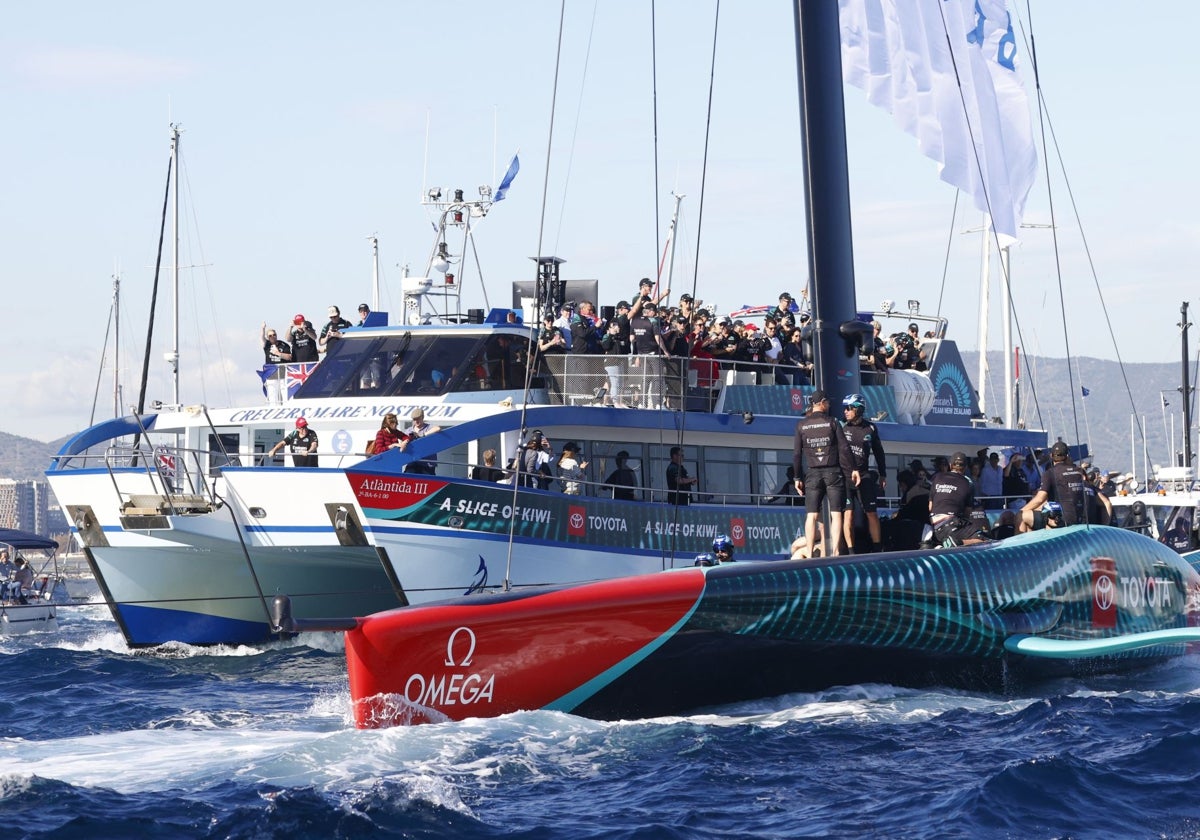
[212, 594]
[988, 617]
[208, 577]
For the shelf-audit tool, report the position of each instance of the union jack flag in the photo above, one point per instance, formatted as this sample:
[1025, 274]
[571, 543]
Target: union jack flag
[297, 373]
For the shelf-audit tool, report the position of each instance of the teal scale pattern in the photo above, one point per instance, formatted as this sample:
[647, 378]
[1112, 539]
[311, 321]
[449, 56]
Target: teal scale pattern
[954, 602]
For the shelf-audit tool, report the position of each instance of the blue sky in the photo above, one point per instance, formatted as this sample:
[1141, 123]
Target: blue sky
[309, 127]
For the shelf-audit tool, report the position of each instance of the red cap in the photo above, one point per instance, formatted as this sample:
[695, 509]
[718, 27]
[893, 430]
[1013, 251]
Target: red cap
[298, 320]
[301, 422]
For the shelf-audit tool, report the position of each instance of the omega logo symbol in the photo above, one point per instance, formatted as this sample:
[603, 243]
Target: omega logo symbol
[1105, 593]
[465, 661]
[576, 520]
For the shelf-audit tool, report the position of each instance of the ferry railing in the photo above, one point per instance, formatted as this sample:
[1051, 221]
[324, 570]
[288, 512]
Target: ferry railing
[650, 381]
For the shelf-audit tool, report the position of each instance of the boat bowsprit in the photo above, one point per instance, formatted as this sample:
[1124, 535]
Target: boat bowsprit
[992, 617]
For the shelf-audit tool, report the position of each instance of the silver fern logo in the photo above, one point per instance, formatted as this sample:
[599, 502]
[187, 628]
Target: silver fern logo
[953, 377]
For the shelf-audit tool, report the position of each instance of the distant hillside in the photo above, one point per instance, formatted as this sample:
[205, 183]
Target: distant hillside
[25, 459]
[1104, 416]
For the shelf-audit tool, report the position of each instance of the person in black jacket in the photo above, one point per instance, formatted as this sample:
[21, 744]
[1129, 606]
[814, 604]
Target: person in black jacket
[863, 440]
[821, 447]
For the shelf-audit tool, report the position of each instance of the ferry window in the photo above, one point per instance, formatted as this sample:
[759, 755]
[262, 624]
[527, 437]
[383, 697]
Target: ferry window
[773, 466]
[727, 476]
[442, 362]
[222, 451]
[602, 461]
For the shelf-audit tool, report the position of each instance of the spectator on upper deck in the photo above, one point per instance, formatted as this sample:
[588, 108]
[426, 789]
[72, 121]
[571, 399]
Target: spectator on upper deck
[304, 340]
[363, 312]
[783, 313]
[276, 352]
[332, 331]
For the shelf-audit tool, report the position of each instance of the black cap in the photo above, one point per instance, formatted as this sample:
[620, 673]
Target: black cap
[958, 459]
[818, 396]
[362, 307]
[785, 296]
[645, 281]
[913, 327]
[622, 304]
[688, 298]
[804, 316]
[570, 446]
[1059, 449]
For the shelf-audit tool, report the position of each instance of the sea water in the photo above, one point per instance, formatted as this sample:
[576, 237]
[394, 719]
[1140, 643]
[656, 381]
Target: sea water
[257, 742]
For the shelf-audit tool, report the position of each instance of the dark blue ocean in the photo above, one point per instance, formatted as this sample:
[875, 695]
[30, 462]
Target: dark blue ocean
[99, 741]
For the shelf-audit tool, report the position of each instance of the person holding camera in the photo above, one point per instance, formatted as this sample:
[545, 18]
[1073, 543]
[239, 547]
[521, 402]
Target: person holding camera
[304, 340]
[332, 331]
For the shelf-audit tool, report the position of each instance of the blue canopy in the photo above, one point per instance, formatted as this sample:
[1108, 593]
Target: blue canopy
[25, 539]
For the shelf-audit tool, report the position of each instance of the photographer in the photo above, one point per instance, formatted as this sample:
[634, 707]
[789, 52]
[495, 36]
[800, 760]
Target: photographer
[904, 354]
[304, 341]
[332, 331]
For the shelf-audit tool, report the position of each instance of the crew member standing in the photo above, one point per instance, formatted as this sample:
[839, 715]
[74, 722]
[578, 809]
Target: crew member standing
[821, 446]
[863, 440]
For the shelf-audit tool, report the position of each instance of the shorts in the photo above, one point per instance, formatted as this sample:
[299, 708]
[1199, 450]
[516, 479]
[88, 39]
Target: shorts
[866, 493]
[822, 482]
[956, 531]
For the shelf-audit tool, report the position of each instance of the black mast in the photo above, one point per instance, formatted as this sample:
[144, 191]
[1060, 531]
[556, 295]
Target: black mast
[837, 334]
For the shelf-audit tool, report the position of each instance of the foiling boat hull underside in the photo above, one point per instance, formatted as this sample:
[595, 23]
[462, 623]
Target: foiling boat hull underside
[228, 599]
[989, 617]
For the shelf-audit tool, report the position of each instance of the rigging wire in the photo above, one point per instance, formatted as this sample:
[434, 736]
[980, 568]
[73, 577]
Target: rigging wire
[512, 522]
[946, 260]
[683, 372]
[587, 55]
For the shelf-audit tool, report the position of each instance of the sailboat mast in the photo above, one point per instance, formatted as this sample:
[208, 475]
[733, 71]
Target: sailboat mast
[173, 356]
[116, 306]
[827, 187]
[669, 255]
[374, 273]
[985, 294]
[1186, 389]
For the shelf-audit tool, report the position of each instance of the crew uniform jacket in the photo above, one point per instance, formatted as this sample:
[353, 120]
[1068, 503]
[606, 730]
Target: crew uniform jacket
[1063, 483]
[863, 440]
[821, 442]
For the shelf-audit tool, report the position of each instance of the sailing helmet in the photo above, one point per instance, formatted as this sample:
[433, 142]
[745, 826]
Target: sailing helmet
[301, 423]
[722, 544]
[854, 401]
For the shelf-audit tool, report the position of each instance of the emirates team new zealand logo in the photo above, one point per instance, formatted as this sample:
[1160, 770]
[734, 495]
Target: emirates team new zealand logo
[953, 378]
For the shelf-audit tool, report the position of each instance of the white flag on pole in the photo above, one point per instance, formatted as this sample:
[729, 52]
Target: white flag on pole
[910, 56]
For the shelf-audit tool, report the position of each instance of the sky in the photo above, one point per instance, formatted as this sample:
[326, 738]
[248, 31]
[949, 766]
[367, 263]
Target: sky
[308, 128]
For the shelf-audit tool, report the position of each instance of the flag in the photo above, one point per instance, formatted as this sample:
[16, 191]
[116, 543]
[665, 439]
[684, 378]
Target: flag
[297, 373]
[1084, 390]
[506, 181]
[911, 56]
[267, 372]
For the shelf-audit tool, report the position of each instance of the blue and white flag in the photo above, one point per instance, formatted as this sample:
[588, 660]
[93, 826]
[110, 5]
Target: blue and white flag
[910, 57]
[506, 181]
